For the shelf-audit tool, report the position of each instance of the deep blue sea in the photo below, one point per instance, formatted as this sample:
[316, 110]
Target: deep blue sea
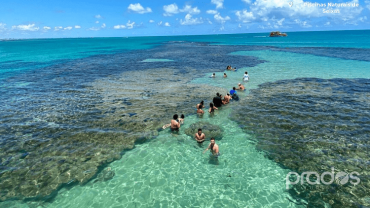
[81, 118]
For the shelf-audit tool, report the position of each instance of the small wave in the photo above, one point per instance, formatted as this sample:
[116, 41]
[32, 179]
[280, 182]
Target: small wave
[260, 36]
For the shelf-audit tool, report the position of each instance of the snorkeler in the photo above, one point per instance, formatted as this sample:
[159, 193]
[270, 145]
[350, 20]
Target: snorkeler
[200, 137]
[246, 77]
[200, 111]
[201, 103]
[212, 108]
[213, 147]
[241, 87]
[225, 75]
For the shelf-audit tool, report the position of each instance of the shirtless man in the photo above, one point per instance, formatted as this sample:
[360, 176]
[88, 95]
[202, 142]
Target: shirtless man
[213, 147]
[241, 87]
[227, 98]
[175, 125]
[200, 137]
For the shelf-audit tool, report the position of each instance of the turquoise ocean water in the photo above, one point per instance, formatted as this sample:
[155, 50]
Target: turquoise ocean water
[170, 170]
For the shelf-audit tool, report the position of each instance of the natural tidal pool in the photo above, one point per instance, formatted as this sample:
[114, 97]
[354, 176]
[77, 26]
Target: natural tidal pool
[78, 140]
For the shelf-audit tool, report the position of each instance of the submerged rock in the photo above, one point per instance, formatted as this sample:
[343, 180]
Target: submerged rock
[311, 124]
[208, 129]
[105, 175]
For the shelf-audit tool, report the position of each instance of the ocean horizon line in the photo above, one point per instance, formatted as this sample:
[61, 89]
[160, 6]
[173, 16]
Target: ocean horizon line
[15, 39]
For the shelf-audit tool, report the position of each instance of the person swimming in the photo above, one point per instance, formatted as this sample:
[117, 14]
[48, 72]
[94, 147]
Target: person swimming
[212, 108]
[246, 77]
[225, 75]
[213, 75]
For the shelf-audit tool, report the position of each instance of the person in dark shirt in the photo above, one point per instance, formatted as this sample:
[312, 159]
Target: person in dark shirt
[217, 101]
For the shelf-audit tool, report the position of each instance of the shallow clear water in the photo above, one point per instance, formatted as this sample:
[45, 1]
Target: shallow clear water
[171, 170]
[168, 170]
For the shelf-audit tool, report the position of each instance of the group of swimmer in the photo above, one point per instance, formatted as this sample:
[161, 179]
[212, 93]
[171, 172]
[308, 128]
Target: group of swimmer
[218, 101]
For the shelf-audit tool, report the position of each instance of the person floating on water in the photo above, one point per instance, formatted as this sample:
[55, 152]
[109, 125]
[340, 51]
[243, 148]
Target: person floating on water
[200, 111]
[213, 75]
[200, 137]
[217, 101]
[246, 77]
[241, 87]
[212, 108]
[201, 103]
[213, 147]
[225, 75]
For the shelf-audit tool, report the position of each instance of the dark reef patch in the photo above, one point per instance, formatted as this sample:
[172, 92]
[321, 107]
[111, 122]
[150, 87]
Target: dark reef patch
[311, 124]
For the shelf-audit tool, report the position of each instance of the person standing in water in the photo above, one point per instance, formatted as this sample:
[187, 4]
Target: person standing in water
[246, 77]
[212, 108]
[227, 98]
[200, 137]
[200, 111]
[175, 125]
[181, 119]
[217, 101]
[213, 147]
[241, 87]
[201, 103]
[225, 75]
[213, 75]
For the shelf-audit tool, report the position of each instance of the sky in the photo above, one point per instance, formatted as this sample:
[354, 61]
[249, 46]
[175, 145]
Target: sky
[122, 18]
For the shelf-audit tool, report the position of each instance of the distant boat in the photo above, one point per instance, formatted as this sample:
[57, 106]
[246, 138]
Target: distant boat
[278, 34]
